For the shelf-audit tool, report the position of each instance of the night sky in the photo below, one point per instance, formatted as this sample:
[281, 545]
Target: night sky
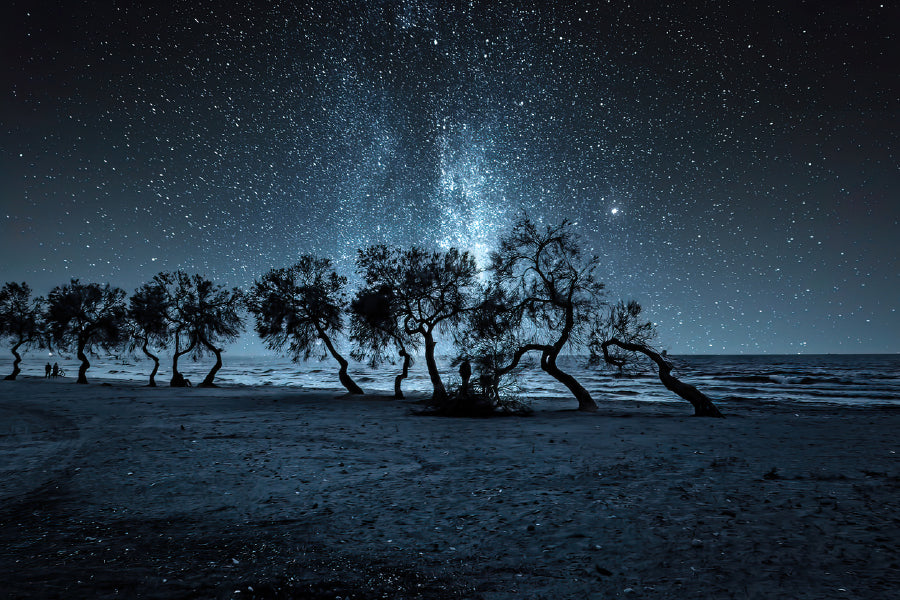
[734, 167]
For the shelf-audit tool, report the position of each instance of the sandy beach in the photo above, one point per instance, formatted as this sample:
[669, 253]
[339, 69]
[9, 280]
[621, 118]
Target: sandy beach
[119, 490]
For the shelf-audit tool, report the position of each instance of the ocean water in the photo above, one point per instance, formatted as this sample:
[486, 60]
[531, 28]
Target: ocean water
[850, 379]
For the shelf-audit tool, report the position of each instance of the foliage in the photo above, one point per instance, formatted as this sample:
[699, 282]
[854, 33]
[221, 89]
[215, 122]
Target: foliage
[425, 290]
[541, 295]
[148, 310]
[374, 327]
[489, 338]
[20, 314]
[421, 292]
[623, 322]
[301, 306]
[86, 316]
[551, 295]
[20, 320]
[148, 322]
[553, 282]
[295, 306]
[204, 313]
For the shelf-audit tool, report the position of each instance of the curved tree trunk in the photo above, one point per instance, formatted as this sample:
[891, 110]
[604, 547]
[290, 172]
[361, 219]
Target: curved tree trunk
[208, 380]
[155, 360]
[440, 392]
[703, 405]
[585, 401]
[178, 379]
[398, 380]
[517, 357]
[345, 378]
[16, 370]
[85, 365]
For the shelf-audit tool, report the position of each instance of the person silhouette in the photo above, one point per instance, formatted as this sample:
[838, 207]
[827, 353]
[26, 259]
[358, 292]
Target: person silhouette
[398, 380]
[465, 373]
[47, 371]
[56, 369]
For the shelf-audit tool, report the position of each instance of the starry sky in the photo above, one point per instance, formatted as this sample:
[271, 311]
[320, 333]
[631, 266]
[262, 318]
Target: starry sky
[733, 165]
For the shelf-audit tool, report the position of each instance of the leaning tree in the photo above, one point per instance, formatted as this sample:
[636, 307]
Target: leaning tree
[429, 293]
[20, 320]
[176, 286]
[203, 315]
[376, 333]
[555, 294]
[86, 316]
[624, 335]
[300, 308]
[149, 323]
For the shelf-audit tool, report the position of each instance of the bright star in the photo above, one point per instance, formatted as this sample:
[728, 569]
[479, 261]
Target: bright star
[615, 211]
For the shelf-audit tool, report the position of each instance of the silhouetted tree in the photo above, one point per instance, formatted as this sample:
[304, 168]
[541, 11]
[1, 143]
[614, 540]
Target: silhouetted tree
[20, 320]
[202, 315]
[554, 294]
[375, 332]
[300, 306]
[491, 339]
[86, 316]
[624, 335]
[429, 292]
[488, 346]
[149, 323]
[175, 286]
[623, 321]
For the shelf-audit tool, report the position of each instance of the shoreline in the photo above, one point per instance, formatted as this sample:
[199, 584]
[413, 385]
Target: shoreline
[851, 380]
[115, 489]
[541, 404]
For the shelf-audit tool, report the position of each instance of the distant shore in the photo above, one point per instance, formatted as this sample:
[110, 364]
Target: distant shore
[118, 490]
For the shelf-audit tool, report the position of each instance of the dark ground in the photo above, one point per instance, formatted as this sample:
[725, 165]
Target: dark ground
[126, 492]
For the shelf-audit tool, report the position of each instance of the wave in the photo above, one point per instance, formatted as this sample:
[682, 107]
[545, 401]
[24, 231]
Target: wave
[789, 380]
[751, 378]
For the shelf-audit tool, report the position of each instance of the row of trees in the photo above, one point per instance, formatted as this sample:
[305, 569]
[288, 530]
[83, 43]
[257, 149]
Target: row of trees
[539, 295]
[189, 313]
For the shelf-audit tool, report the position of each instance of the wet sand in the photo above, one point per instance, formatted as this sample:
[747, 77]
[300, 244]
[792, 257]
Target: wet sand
[119, 491]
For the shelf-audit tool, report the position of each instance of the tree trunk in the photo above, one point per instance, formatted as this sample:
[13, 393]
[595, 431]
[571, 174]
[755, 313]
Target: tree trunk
[440, 392]
[85, 365]
[345, 378]
[178, 379]
[398, 381]
[585, 402]
[703, 405]
[208, 380]
[16, 370]
[517, 357]
[155, 360]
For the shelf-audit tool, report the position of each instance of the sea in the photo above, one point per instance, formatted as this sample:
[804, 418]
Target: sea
[843, 379]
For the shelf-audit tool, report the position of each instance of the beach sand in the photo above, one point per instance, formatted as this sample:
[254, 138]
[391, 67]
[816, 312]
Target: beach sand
[118, 491]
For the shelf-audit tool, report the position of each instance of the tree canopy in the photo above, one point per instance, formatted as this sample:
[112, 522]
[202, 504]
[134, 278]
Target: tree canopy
[202, 315]
[551, 294]
[86, 316]
[20, 320]
[423, 293]
[300, 309]
[148, 322]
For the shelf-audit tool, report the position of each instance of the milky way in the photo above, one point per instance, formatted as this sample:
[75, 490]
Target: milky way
[733, 167]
